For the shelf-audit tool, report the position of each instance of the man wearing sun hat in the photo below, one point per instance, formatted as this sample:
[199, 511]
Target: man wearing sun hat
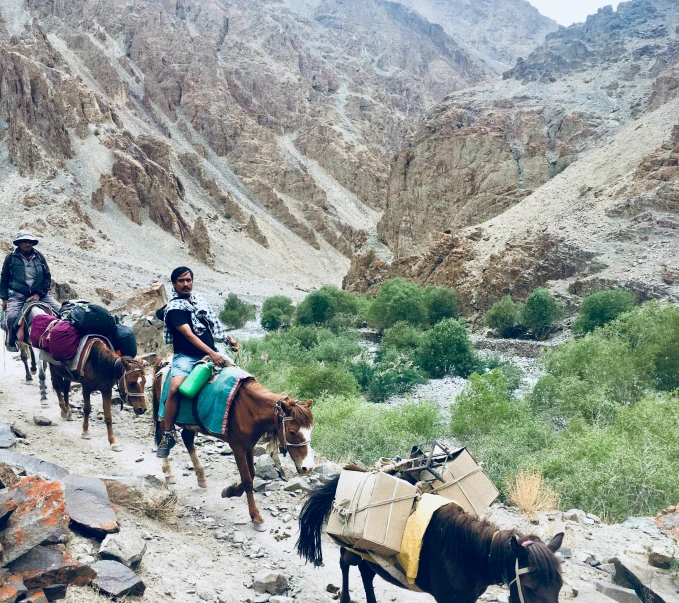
[25, 277]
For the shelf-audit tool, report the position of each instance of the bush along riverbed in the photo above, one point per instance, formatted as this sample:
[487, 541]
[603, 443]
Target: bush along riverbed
[601, 426]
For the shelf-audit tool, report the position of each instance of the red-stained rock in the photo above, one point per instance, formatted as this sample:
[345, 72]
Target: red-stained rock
[45, 566]
[36, 596]
[38, 516]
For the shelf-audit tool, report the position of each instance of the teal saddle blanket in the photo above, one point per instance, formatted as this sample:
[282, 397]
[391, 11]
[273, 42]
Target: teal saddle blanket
[213, 403]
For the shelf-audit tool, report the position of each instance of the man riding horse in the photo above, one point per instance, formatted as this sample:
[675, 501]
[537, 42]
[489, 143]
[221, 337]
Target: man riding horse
[191, 326]
[25, 278]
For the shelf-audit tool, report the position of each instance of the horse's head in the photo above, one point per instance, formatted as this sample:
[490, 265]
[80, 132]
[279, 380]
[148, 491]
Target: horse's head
[131, 383]
[295, 423]
[536, 572]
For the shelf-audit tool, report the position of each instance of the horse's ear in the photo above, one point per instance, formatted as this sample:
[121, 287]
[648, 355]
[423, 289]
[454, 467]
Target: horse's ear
[309, 403]
[518, 549]
[287, 403]
[556, 542]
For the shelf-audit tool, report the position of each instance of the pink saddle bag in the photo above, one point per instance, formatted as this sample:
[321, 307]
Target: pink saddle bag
[64, 341]
[38, 327]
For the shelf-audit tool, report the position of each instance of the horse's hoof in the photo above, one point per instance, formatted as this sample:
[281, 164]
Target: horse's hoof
[202, 483]
[259, 527]
[34, 371]
[70, 417]
[229, 492]
[171, 480]
[116, 447]
[86, 436]
[29, 378]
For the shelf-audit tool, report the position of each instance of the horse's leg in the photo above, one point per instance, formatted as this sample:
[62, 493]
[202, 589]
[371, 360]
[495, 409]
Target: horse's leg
[108, 419]
[272, 449]
[188, 435]
[345, 564]
[87, 408]
[246, 477]
[59, 384]
[167, 470]
[367, 575]
[67, 404]
[43, 384]
[34, 368]
[23, 349]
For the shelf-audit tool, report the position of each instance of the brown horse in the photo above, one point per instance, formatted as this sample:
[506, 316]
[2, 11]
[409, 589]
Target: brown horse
[101, 372]
[461, 556]
[255, 412]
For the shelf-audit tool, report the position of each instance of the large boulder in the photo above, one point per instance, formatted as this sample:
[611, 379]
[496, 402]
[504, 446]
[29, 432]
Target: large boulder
[38, 516]
[88, 505]
[145, 301]
[650, 585]
[32, 465]
[45, 566]
[117, 580]
[124, 547]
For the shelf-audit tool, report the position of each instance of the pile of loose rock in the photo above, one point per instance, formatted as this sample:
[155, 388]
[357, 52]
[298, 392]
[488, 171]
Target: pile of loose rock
[40, 503]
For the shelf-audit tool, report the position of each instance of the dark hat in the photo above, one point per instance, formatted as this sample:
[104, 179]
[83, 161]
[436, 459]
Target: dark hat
[24, 235]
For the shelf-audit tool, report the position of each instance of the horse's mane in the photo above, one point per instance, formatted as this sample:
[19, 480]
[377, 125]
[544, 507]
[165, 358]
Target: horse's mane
[474, 542]
[300, 413]
[103, 360]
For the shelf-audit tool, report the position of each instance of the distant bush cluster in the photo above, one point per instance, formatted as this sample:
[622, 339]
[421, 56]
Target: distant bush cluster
[537, 315]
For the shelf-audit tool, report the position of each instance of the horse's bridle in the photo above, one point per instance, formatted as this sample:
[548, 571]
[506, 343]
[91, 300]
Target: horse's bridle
[124, 395]
[518, 571]
[281, 420]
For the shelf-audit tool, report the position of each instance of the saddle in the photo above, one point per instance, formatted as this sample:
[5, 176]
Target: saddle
[76, 365]
[22, 324]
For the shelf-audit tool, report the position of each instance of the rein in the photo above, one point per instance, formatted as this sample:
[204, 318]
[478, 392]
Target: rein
[281, 420]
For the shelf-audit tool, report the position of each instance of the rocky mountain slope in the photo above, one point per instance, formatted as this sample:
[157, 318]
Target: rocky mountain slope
[567, 106]
[254, 137]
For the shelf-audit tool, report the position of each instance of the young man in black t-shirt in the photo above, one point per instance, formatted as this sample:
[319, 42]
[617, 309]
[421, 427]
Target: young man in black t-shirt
[191, 326]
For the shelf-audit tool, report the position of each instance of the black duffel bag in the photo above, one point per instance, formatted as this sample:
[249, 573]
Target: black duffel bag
[91, 319]
[124, 341]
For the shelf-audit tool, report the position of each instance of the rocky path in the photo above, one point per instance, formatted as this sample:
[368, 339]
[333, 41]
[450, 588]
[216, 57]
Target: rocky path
[213, 554]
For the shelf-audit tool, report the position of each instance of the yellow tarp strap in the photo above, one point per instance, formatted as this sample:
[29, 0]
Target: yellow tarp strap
[411, 545]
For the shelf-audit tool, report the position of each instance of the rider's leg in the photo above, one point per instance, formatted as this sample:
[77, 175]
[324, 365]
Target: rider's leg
[14, 305]
[181, 368]
[51, 302]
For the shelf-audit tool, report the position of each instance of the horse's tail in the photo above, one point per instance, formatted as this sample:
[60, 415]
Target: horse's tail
[311, 519]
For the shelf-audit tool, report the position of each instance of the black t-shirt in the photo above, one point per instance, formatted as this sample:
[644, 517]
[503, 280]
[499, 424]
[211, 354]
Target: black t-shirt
[177, 318]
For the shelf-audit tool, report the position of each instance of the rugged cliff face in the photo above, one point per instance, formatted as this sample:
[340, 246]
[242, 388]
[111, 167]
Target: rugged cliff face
[491, 148]
[495, 32]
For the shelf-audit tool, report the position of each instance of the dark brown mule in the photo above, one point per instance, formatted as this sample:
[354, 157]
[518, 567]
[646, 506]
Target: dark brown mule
[29, 312]
[101, 372]
[461, 556]
[255, 412]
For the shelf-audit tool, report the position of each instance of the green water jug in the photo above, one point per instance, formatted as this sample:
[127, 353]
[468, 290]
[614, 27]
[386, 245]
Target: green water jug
[198, 377]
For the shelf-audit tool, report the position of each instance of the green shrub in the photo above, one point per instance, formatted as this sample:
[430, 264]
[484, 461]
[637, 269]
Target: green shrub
[540, 312]
[601, 308]
[402, 337]
[398, 300]
[513, 372]
[620, 470]
[599, 362]
[447, 350]
[503, 317]
[317, 308]
[236, 312]
[395, 376]
[338, 348]
[277, 312]
[353, 430]
[482, 405]
[441, 303]
[315, 380]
